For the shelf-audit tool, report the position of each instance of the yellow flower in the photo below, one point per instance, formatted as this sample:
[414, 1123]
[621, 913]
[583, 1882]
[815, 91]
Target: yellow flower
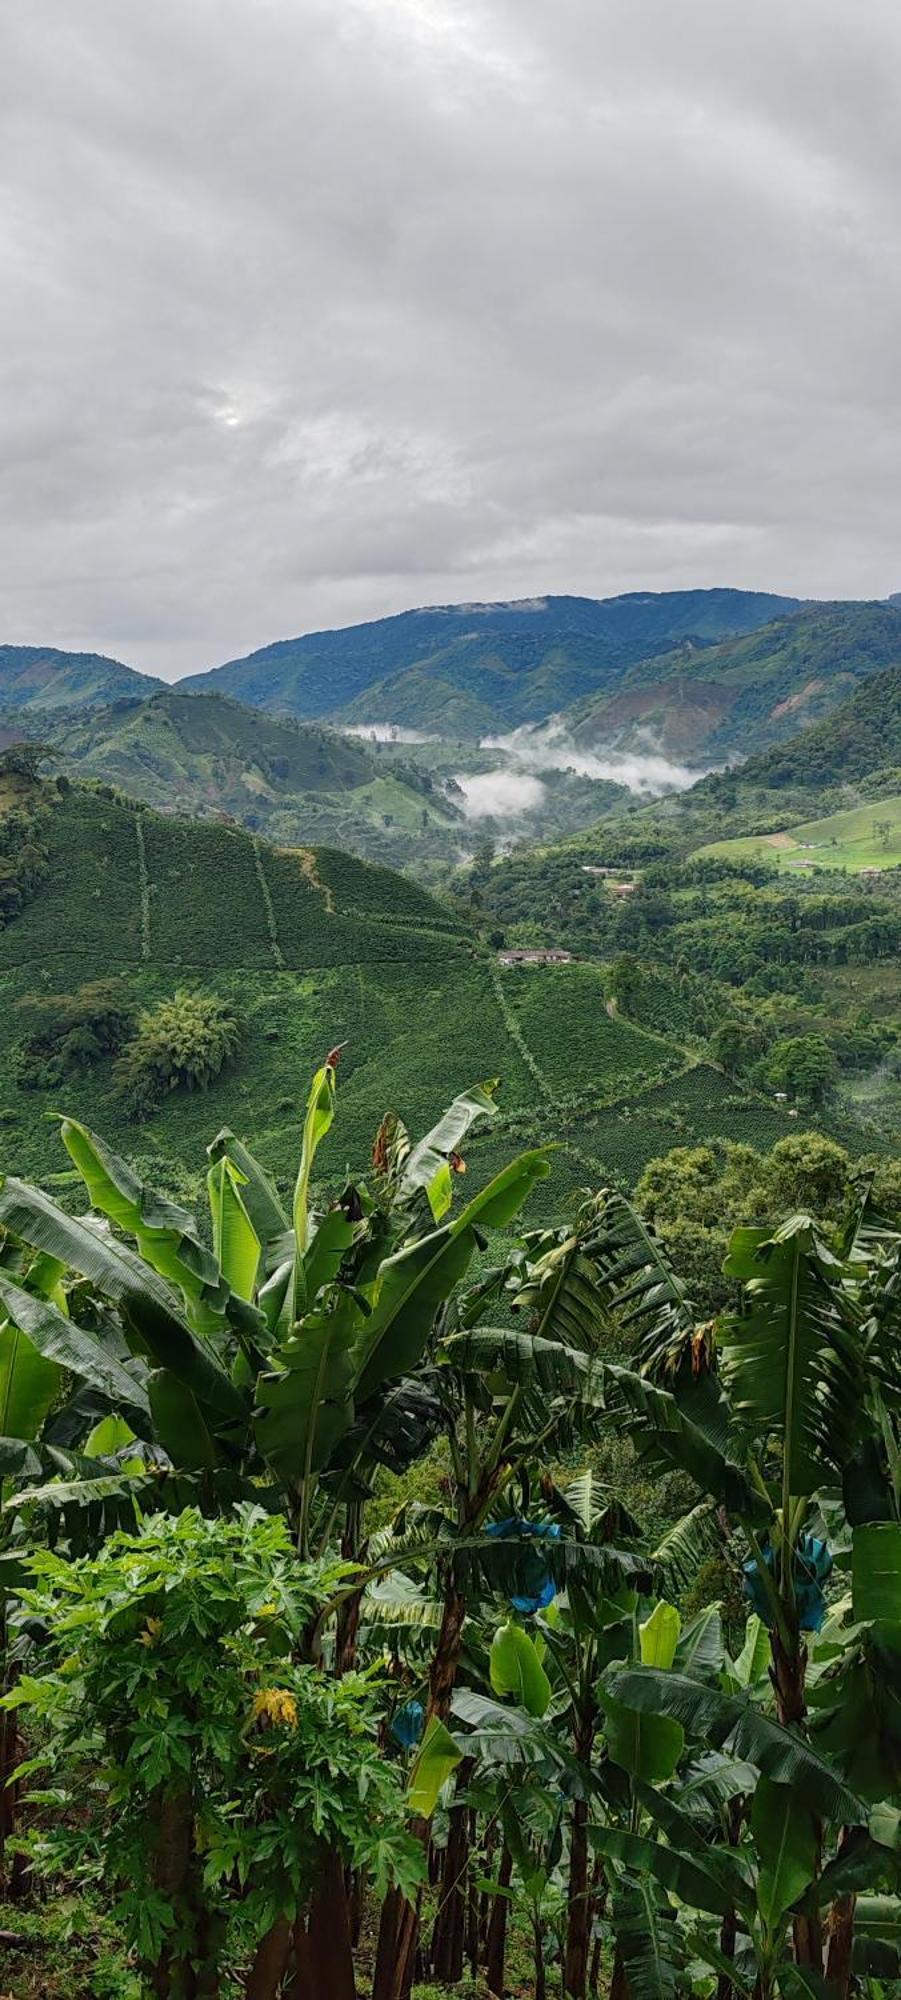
[275, 1705]
[151, 1633]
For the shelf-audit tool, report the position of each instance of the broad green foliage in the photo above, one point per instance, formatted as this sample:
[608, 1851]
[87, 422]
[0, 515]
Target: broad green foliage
[170, 1693]
[697, 1784]
[516, 1669]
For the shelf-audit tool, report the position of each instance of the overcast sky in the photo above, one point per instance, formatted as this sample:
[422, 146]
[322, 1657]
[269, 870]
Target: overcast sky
[317, 309]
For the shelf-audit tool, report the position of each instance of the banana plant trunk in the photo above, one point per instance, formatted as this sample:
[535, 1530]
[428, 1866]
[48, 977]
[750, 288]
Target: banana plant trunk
[788, 1677]
[578, 1926]
[496, 1941]
[399, 1927]
[449, 1932]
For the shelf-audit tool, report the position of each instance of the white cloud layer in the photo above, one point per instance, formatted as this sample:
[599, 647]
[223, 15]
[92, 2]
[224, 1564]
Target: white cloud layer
[313, 312]
[551, 748]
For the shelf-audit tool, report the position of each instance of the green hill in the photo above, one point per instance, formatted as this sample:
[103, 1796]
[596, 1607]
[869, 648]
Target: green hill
[861, 737]
[466, 669]
[747, 692]
[865, 837]
[203, 754]
[309, 948]
[39, 679]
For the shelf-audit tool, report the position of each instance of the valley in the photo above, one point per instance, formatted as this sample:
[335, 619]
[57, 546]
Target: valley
[734, 942]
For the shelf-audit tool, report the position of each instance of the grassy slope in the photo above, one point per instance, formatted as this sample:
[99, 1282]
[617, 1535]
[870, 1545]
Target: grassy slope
[200, 752]
[841, 840]
[336, 951]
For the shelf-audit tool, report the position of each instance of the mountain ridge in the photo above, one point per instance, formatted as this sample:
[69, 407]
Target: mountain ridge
[478, 667]
[45, 678]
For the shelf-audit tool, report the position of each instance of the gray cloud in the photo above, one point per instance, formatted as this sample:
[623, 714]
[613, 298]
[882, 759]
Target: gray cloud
[313, 312]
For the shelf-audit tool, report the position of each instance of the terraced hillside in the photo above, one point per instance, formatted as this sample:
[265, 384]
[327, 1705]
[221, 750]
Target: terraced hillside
[202, 753]
[310, 948]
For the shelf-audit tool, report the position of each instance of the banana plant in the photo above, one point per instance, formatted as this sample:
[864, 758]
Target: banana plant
[513, 1396]
[281, 1353]
[785, 1416]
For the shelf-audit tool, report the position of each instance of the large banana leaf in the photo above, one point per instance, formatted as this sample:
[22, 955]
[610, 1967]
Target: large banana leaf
[438, 1755]
[685, 1876]
[165, 1234]
[877, 1936]
[306, 1408]
[393, 1429]
[180, 1424]
[235, 1241]
[516, 1670]
[701, 1649]
[793, 1359]
[785, 1836]
[875, 1570]
[649, 1941]
[667, 1437]
[562, 1295]
[270, 1221]
[73, 1347]
[519, 1358]
[638, 1285]
[658, 1636]
[29, 1385]
[688, 1545]
[172, 1345]
[718, 1718]
[82, 1243]
[320, 1111]
[647, 1746]
[506, 1737]
[427, 1165]
[417, 1279]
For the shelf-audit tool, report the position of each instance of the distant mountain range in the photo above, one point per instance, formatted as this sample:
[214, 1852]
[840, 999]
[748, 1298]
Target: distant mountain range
[701, 676]
[472, 669]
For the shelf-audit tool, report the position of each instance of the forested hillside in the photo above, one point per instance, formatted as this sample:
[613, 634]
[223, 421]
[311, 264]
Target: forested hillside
[299, 948]
[738, 697]
[41, 678]
[862, 737]
[468, 669]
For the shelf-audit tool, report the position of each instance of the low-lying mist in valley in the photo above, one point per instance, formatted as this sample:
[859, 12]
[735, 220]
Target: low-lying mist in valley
[517, 787]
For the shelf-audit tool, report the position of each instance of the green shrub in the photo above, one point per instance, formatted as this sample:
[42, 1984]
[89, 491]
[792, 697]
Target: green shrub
[209, 1775]
[71, 1031]
[183, 1043]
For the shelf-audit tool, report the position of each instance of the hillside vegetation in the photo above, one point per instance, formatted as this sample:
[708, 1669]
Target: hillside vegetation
[41, 679]
[864, 837]
[470, 668]
[201, 753]
[747, 692]
[307, 949]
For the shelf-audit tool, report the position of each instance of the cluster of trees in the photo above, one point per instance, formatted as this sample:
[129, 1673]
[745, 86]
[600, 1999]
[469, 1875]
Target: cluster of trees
[23, 856]
[504, 1719]
[183, 1042]
[695, 1196]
